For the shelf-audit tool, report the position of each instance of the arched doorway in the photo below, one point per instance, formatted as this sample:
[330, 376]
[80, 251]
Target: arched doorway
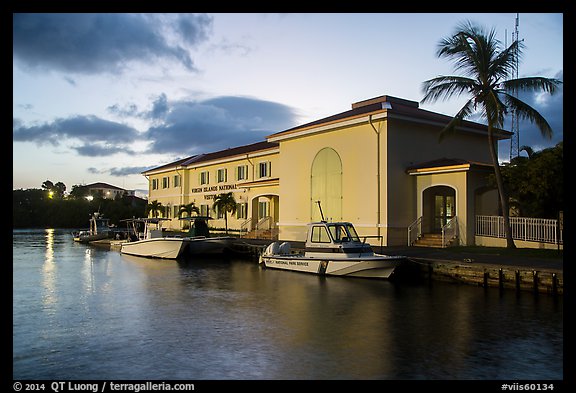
[326, 185]
[439, 206]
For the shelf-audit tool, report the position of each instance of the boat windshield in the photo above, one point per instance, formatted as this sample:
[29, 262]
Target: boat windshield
[344, 232]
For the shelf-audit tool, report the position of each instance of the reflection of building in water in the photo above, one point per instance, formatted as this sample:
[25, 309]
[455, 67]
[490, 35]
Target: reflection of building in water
[379, 165]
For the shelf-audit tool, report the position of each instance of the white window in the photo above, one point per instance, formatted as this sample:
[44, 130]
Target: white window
[176, 180]
[222, 175]
[241, 210]
[264, 169]
[263, 209]
[320, 235]
[165, 182]
[242, 172]
[204, 177]
[204, 210]
[154, 184]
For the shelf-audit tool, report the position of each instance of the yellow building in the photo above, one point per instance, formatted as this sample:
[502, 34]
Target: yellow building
[379, 165]
[245, 171]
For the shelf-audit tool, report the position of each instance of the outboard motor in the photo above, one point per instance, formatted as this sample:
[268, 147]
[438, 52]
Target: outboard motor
[284, 248]
[272, 249]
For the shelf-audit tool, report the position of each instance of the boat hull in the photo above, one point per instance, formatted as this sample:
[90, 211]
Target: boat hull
[89, 238]
[166, 248]
[375, 266]
[209, 245]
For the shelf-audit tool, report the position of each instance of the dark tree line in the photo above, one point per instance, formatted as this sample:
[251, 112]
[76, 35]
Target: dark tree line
[40, 208]
[535, 183]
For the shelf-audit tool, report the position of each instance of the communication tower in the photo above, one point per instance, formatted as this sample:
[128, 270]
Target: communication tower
[515, 127]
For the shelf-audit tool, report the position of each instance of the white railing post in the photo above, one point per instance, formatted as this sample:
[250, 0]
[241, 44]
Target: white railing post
[414, 231]
[449, 231]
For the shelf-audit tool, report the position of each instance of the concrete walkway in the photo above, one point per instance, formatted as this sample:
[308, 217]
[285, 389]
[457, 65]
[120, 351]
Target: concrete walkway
[472, 258]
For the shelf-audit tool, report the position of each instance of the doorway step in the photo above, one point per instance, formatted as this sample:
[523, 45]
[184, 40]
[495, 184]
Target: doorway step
[432, 240]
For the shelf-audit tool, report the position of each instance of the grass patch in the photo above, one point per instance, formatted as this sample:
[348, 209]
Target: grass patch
[514, 252]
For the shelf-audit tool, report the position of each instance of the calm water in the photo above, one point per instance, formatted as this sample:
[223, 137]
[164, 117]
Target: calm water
[83, 312]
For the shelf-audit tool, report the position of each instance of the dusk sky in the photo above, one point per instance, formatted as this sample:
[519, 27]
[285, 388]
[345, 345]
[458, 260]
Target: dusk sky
[103, 97]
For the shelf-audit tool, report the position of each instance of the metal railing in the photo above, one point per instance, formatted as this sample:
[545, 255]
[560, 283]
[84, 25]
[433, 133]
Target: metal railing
[264, 227]
[449, 231]
[542, 230]
[414, 231]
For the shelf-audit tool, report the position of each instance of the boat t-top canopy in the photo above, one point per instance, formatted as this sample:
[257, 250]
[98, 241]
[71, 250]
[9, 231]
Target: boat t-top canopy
[151, 220]
[194, 218]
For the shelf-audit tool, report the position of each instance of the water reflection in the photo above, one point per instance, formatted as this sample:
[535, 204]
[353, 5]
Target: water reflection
[49, 269]
[115, 316]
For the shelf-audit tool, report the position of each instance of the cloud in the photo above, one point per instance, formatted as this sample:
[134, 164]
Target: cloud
[191, 127]
[179, 128]
[105, 43]
[551, 107]
[119, 172]
[88, 129]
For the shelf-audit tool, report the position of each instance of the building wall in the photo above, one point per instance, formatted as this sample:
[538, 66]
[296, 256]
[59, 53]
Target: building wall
[409, 143]
[297, 155]
[202, 195]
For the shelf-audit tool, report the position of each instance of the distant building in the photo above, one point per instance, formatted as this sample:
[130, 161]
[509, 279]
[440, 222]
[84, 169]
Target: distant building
[106, 191]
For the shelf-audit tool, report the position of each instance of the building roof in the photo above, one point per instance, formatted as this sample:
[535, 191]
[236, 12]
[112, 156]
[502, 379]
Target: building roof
[103, 185]
[446, 165]
[205, 157]
[394, 106]
[233, 151]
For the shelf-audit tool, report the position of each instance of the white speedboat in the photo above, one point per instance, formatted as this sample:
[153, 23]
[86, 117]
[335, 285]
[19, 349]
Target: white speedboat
[331, 249]
[146, 240]
[99, 229]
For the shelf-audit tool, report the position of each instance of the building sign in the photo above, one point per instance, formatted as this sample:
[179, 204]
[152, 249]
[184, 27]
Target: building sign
[214, 188]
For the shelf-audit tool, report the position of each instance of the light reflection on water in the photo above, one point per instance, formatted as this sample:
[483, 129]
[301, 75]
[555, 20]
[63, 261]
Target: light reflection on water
[82, 312]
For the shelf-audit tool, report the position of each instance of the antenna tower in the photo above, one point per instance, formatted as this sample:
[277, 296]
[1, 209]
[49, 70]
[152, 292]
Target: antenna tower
[515, 128]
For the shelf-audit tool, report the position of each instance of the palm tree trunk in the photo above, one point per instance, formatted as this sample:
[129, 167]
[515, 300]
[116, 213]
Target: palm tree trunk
[501, 191]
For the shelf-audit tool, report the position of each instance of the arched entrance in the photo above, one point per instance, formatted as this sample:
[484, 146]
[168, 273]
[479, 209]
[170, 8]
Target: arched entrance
[439, 206]
[326, 185]
[264, 215]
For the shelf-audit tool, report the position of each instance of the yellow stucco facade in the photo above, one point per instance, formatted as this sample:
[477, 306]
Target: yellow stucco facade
[379, 165]
[246, 171]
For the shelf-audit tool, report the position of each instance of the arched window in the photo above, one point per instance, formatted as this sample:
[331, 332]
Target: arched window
[326, 185]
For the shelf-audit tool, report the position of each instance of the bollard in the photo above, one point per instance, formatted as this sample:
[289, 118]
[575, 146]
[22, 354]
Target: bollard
[535, 274]
[517, 280]
[485, 279]
[501, 278]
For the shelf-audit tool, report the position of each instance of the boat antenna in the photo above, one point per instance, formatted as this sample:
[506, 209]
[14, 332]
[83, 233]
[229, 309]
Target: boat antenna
[321, 213]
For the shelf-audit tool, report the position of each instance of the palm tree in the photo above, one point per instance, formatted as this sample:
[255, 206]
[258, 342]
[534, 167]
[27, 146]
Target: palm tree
[476, 54]
[155, 207]
[188, 209]
[226, 203]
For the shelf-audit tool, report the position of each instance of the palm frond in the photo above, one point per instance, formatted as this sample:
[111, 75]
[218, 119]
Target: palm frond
[463, 113]
[445, 87]
[533, 84]
[525, 111]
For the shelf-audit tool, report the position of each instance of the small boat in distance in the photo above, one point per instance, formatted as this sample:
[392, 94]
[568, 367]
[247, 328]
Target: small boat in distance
[200, 242]
[99, 229]
[332, 249]
[146, 240]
